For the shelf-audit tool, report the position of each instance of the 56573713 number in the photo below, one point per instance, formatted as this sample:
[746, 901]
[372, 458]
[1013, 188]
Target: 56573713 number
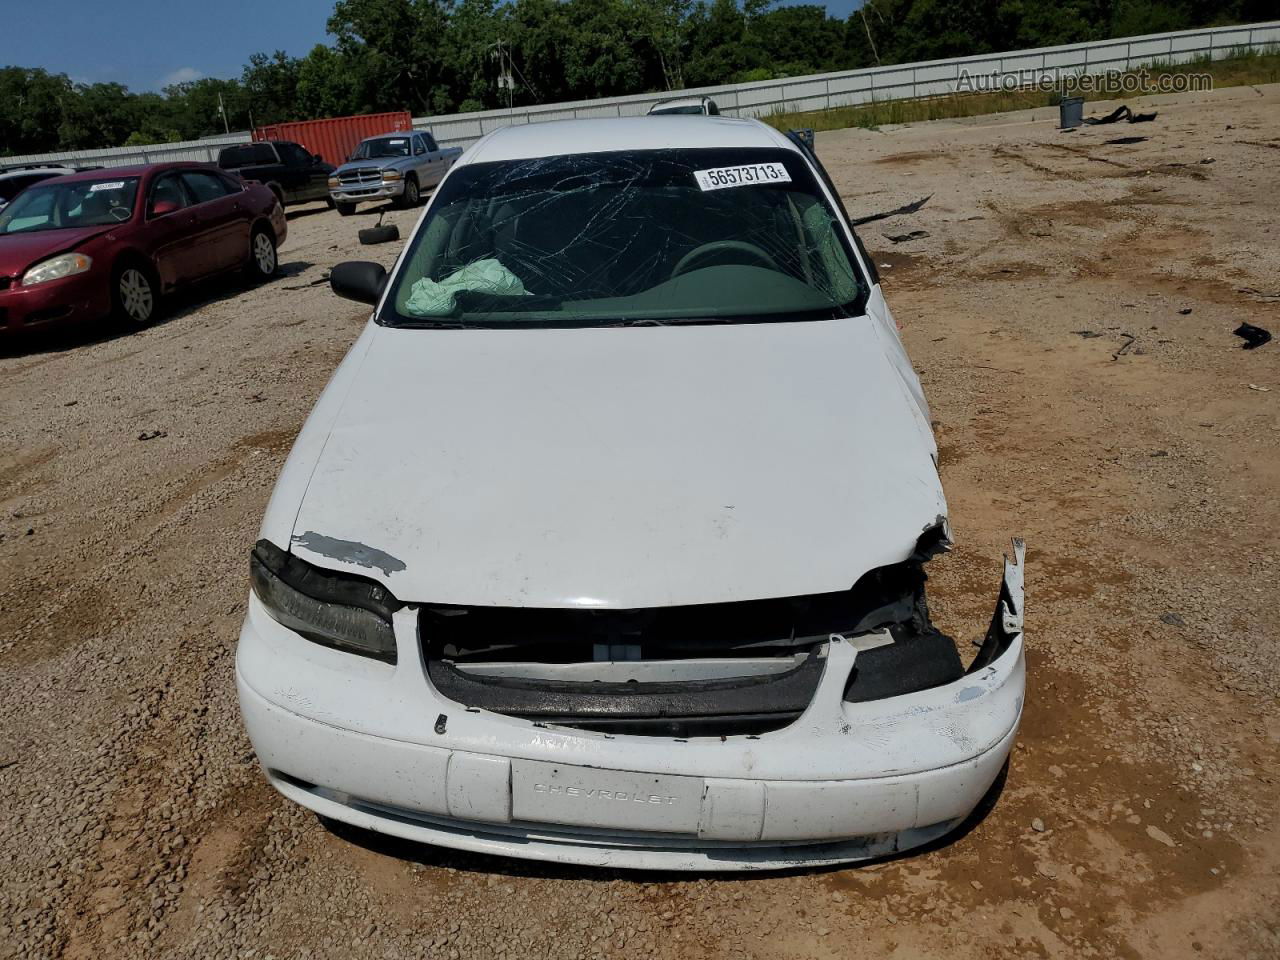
[746, 175]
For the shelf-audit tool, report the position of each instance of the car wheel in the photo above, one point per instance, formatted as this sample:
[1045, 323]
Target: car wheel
[134, 295]
[345, 209]
[262, 255]
[412, 196]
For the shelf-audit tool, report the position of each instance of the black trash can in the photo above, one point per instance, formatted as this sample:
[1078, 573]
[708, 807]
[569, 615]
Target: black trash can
[1070, 113]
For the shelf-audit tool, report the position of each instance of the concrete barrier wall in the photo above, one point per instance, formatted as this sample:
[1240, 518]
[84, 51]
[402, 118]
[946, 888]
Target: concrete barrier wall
[793, 94]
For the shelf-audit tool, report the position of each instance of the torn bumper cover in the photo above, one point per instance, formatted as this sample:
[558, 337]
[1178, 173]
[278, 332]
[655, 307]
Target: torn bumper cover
[380, 746]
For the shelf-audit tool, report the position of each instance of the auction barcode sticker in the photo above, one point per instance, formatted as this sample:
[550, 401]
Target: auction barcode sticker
[113, 185]
[744, 176]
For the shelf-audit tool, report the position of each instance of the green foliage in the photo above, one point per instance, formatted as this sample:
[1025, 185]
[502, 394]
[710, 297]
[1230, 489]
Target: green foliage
[442, 56]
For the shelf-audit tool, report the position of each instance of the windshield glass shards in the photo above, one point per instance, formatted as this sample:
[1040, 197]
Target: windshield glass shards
[61, 204]
[638, 237]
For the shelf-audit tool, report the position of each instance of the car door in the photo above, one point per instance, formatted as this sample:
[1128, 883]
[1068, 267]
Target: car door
[435, 163]
[318, 173]
[303, 179]
[223, 224]
[170, 232]
[421, 161]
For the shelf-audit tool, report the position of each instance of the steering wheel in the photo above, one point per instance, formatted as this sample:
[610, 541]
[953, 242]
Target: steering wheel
[718, 246]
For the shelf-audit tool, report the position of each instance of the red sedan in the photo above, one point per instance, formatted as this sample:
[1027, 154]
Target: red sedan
[111, 243]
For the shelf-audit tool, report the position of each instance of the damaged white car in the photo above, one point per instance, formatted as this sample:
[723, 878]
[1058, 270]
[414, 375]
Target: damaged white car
[606, 543]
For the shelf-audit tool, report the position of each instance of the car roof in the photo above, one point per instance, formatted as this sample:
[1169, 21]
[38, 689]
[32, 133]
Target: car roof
[23, 171]
[559, 137]
[139, 170]
[677, 101]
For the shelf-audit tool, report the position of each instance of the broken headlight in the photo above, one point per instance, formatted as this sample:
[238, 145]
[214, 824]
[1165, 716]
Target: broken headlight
[336, 610]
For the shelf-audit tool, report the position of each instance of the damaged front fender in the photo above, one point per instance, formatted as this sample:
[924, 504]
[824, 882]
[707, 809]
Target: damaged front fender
[1006, 620]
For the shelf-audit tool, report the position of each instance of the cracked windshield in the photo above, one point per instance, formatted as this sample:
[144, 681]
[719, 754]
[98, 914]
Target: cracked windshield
[662, 236]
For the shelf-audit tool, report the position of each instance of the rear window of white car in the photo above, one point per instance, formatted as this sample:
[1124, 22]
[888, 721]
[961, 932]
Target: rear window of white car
[649, 237]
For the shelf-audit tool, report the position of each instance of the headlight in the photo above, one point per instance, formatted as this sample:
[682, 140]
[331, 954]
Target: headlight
[55, 268]
[334, 183]
[392, 175]
[336, 610]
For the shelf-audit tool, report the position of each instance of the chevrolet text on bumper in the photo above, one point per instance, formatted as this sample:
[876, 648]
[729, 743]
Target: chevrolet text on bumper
[653, 596]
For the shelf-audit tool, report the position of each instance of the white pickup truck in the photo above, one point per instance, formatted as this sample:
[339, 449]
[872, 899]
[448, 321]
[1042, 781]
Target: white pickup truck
[396, 166]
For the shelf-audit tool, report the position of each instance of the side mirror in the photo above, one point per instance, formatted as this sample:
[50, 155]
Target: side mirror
[358, 280]
[162, 208]
[317, 158]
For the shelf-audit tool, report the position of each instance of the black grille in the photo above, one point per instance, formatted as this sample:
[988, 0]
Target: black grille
[5, 282]
[791, 629]
[733, 706]
[537, 664]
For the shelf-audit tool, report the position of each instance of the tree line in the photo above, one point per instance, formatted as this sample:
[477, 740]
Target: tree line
[447, 56]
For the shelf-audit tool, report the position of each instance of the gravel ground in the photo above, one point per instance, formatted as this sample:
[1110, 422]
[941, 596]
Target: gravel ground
[1071, 313]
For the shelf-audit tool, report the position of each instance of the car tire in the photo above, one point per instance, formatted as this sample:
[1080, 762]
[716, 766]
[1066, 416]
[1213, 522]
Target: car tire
[135, 295]
[412, 195]
[263, 257]
[344, 209]
[383, 234]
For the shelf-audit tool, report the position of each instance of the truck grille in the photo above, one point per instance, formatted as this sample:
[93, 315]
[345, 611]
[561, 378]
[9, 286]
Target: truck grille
[360, 177]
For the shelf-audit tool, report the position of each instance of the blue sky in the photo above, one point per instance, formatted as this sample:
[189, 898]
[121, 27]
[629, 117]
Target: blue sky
[146, 44]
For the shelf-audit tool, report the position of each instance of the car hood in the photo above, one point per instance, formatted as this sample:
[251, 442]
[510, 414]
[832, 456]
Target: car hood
[19, 251]
[618, 467]
[377, 163]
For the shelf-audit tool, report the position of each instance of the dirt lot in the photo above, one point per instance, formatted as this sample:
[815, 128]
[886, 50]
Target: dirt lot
[1071, 314]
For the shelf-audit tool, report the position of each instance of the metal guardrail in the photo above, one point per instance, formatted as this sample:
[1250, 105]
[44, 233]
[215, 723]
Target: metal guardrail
[201, 151]
[790, 95]
[897, 82]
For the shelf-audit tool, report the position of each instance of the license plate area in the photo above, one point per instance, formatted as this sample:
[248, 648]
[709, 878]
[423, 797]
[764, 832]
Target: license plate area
[619, 799]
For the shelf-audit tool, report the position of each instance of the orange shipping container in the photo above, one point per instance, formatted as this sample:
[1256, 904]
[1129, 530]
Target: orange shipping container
[335, 137]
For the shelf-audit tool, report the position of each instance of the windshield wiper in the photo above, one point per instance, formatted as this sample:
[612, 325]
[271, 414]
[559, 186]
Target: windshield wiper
[430, 325]
[481, 301]
[700, 321]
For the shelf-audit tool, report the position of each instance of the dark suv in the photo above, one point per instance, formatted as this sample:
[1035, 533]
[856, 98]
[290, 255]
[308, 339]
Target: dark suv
[293, 174]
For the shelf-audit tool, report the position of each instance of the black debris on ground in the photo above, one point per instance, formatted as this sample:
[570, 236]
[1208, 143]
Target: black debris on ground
[1118, 114]
[1252, 336]
[905, 237]
[901, 211]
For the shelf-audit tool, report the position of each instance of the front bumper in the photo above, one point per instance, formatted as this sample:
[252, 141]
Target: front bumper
[376, 746]
[70, 300]
[373, 191]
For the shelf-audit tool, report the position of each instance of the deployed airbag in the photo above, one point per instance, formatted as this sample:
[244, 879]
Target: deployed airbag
[438, 298]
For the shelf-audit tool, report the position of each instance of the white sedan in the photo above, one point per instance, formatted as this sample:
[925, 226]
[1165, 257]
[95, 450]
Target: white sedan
[606, 543]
